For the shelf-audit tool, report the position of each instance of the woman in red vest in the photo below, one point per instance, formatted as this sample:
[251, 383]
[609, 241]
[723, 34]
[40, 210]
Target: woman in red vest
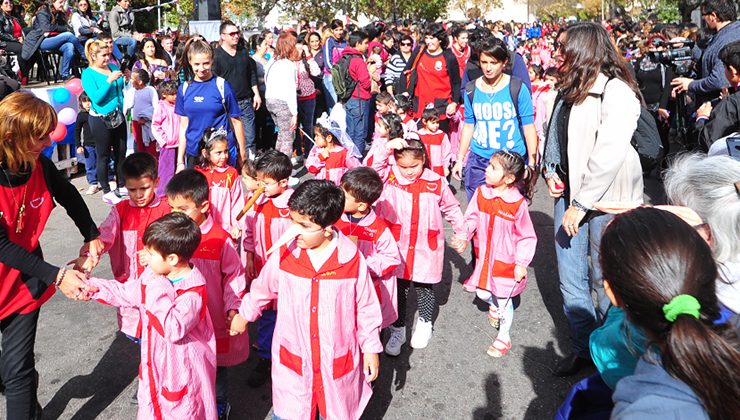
[29, 186]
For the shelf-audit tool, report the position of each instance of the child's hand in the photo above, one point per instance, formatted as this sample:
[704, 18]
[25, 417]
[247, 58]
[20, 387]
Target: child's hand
[93, 249]
[144, 257]
[83, 264]
[520, 273]
[237, 325]
[458, 244]
[370, 365]
[81, 151]
[235, 233]
[249, 269]
[230, 314]
[396, 144]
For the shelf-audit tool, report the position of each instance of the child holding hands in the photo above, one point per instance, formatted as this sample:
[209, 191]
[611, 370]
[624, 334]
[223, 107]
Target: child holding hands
[326, 337]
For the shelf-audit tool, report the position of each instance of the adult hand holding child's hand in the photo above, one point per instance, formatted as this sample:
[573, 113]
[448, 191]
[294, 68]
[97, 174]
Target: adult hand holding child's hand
[237, 325]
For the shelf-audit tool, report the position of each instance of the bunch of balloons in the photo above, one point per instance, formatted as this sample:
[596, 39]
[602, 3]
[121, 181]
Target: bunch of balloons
[64, 101]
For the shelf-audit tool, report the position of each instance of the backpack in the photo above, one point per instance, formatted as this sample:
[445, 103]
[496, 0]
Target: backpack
[646, 138]
[515, 86]
[344, 84]
[220, 82]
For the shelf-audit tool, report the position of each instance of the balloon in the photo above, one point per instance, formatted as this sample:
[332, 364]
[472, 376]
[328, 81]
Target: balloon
[74, 86]
[59, 133]
[61, 95]
[67, 116]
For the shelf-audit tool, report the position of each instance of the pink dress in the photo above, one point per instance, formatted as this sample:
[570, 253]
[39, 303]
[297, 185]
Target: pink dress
[439, 150]
[264, 224]
[332, 167]
[412, 210]
[218, 261]
[225, 194]
[376, 149]
[409, 124]
[122, 233]
[505, 238]
[326, 320]
[177, 375]
[377, 244]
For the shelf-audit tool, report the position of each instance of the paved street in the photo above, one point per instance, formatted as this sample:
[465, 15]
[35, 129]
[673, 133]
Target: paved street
[88, 369]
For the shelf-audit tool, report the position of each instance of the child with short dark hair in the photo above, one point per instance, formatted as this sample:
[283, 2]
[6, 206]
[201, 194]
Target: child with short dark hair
[85, 142]
[166, 130]
[404, 109]
[218, 261]
[328, 313]
[388, 128]
[362, 187]
[141, 100]
[178, 347]
[264, 224]
[227, 193]
[436, 141]
[122, 230]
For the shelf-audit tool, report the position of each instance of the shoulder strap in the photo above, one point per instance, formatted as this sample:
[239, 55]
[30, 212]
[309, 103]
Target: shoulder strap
[184, 87]
[220, 81]
[470, 90]
[515, 86]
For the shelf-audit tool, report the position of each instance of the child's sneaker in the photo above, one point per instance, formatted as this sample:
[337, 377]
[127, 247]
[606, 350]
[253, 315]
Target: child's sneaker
[223, 410]
[111, 198]
[395, 341]
[422, 334]
[92, 189]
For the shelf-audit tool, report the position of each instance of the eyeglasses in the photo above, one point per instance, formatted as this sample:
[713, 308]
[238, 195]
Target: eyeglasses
[231, 34]
[405, 44]
[262, 182]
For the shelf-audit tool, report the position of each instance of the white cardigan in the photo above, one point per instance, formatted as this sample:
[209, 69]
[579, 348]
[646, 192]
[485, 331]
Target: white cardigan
[280, 82]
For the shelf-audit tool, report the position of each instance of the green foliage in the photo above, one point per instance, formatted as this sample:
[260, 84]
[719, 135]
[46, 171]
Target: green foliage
[667, 11]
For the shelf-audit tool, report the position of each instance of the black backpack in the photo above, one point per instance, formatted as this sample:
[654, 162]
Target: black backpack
[344, 84]
[646, 138]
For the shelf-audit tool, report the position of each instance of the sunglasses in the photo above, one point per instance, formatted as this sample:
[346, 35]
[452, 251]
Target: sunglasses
[405, 44]
[235, 33]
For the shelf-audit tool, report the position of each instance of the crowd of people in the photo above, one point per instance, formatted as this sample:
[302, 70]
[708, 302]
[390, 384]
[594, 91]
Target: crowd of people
[215, 223]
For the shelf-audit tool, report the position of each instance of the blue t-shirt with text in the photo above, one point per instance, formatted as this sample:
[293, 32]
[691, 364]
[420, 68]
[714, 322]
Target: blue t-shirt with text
[202, 105]
[496, 123]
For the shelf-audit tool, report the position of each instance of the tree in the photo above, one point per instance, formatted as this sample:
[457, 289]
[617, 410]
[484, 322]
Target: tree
[477, 8]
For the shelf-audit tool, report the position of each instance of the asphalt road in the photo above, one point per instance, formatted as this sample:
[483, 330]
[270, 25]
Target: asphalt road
[88, 368]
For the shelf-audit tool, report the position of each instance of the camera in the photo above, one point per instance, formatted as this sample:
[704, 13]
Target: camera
[678, 56]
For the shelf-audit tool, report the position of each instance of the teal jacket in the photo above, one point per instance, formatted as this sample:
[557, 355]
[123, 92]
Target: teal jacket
[105, 97]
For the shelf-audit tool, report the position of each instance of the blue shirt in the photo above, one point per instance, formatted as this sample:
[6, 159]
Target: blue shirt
[202, 105]
[104, 97]
[496, 123]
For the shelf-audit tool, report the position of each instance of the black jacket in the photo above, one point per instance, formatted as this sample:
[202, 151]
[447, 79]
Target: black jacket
[724, 120]
[6, 27]
[44, 22]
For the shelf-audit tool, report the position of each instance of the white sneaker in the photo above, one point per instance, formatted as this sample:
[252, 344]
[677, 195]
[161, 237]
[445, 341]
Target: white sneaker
[395, 341]
[92, 189]
[111, 198]
[112, 185]
[422, 334]
[123, 191]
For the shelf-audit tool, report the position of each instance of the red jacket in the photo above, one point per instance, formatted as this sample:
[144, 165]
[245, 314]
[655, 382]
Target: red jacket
[358, 71]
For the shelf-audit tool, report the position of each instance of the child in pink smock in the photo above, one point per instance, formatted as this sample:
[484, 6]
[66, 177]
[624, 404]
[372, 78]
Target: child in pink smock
[404, 108]
[334, 153]
[436, 141]
[166, 130]
[122, 230]
[412, 203]
[384, 102]
[218, 261]
[226, 193]
[178, 347]
[362, 188]
[389, 127]
[264, 224]
[498, 217]
[327, 334]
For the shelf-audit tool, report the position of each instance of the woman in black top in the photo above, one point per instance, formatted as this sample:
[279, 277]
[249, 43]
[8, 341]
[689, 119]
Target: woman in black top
[30, 185]
[654, 80]
[11, 32]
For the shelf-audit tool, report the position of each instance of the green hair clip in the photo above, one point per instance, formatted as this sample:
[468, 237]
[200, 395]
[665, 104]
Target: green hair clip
[681, 305]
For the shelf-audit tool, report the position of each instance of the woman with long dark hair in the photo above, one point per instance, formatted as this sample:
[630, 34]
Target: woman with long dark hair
[588, 158]
[662, 272]
[152, 58]
[11, 32]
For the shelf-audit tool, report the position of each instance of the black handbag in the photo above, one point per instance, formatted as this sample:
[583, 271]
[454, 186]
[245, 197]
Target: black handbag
[113, 119]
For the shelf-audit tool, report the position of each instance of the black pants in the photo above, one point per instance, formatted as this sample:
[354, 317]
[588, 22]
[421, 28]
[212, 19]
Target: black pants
[222, 384]
[426, 301]
[106, 140]
[15, 47]
[17, 365]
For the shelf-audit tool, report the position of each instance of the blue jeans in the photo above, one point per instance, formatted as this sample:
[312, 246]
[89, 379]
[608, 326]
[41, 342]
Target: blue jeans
[65, 43]
[475, 173]
[245, 105]
[125, 41]
[358, 115]
[331, 96]
[306, 108]
[90, 168]
[265, 330]
[575, 282]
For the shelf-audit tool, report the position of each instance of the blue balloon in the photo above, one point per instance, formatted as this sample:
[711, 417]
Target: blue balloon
[61, 95]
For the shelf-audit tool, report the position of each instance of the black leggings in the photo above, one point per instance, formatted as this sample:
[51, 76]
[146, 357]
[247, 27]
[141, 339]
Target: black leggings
[425, 301]
[107, 139]
[17, 364]
[15, 47]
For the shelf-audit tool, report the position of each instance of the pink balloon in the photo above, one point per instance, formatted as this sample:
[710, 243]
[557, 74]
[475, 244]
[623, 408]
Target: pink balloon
[74, 86]
[67, 116]
[59, 133]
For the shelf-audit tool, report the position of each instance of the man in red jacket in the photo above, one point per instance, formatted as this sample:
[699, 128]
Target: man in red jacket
[358, 107]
